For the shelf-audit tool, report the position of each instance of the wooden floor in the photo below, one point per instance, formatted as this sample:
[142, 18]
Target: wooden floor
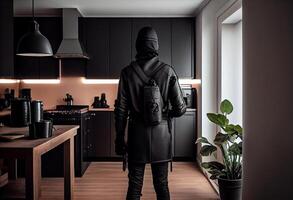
[107, 181]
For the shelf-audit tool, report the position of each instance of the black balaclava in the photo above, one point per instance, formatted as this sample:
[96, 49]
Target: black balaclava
[147, 45]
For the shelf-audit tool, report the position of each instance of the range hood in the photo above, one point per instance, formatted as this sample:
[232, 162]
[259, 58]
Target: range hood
[70, 46]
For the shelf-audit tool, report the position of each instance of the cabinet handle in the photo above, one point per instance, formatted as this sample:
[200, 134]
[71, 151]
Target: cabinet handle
[93, 114]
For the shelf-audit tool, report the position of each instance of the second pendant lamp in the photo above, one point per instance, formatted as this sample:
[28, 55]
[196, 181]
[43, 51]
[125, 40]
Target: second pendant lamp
[33, 43]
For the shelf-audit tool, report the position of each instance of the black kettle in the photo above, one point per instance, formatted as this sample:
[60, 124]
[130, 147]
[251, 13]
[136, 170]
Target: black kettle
[20, 112]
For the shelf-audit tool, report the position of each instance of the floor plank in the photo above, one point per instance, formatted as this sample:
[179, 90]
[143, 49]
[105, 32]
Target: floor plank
[107, 181]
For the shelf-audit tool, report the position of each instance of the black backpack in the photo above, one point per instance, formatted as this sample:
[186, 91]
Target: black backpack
[152, 98]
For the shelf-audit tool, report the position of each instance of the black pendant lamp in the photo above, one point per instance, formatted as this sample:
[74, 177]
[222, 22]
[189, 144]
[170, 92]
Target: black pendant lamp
[33, 43]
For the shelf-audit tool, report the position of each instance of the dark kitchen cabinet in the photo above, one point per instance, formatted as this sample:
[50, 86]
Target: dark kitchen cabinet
[184, 136]
[96, 31]
[183, 47]
[72, 67]
[86, 123]
[51, 27]
[120, 46]
[113, 136]
[44, 67]
[110, 43]
[6, 39]
[98, 136]
[163, 29]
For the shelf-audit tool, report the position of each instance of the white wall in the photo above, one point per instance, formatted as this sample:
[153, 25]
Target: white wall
[231, 69]
[206, 58]
[268, 99]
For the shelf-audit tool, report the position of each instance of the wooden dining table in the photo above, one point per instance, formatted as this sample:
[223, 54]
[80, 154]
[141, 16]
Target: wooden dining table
[31, 151]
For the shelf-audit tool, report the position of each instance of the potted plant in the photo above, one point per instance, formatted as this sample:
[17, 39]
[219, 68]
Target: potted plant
[229, 141]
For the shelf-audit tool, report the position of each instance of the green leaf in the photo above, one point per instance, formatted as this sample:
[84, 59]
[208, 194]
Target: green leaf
[230, 129]
[213, 165]
[238, 128]
[221, 138]
[205, 165]
[215, 174]
[233, 131]
[234, 149]
[226, 107]
[202, 140]
[214, 177]
[207, 150]
[218, 119]
[240, 147]
[232, 138]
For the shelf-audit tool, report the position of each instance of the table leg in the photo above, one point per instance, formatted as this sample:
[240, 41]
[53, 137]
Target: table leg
[33, 176]
[68, 168]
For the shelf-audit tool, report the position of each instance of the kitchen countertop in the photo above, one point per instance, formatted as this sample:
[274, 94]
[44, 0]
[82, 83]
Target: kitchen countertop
[5, 112]
[112, 109]
[101, 109]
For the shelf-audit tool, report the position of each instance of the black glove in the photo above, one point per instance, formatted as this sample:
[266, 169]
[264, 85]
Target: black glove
[120, 146]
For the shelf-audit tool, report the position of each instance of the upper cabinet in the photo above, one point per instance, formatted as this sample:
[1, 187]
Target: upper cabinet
[163, 29]
[183, 47]
[110, 43]
[96, 34]
[120, 46]
[6, 39]
[37, 68]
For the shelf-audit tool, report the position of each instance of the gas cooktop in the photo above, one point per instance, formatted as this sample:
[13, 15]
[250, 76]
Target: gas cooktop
[69, 109]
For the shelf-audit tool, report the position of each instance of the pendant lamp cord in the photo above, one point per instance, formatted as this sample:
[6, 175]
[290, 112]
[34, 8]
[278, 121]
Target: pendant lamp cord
[33, 9]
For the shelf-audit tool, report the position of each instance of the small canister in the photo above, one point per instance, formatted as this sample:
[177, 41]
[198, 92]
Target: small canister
[41, 129]
[36, 111]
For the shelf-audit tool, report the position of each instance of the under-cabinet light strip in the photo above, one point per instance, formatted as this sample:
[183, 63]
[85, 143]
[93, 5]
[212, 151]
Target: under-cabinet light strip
[41, 81]
[99, 81]
[8, 81]
[116, 81]
[189, 81]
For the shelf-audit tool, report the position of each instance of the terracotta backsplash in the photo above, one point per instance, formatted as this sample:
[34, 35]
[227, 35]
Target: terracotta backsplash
[53, 94]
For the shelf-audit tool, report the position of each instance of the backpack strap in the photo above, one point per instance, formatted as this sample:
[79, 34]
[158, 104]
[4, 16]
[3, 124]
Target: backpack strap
[157, 66]
[140, 73]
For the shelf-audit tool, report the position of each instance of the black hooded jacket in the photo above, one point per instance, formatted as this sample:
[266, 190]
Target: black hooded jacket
[147, 144]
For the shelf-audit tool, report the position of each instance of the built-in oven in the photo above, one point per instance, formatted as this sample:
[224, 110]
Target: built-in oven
[52, 162]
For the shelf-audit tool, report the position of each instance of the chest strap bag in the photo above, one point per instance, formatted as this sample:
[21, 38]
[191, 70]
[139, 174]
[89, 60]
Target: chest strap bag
[152, 98]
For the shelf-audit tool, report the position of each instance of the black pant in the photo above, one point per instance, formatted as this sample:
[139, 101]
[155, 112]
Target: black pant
[160, 180]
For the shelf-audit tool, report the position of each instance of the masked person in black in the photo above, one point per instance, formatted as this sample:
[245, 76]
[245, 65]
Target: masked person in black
[147, 143]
